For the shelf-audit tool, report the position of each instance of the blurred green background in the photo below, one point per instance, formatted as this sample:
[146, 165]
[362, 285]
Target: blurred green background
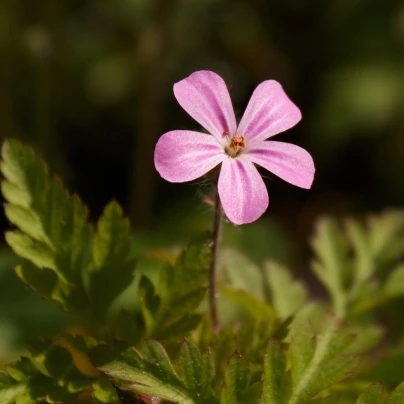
[89, 84]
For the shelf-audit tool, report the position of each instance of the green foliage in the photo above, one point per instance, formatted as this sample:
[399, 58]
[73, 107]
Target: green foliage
[360, 265]
[288, 294]
[277, 381]
[151, 371]
[10, 389]
[169, 311]
[52, 230]
[256, 308]
[316, 362]
[238, 388]
[197, 371]
[54, 373]
[64, 262]
[375, 394]
[111, 269]
[279, 348]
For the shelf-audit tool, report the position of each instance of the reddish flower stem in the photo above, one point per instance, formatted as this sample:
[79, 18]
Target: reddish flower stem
[216, 234]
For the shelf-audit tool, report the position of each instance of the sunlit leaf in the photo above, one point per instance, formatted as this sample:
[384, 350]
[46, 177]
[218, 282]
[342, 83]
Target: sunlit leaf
[168, 310]
[197, 371]
[149, 371]
[237, 387]
[53, 230]
[10, 389]
[332, 266]
[374, 394]
[288, 294]
[277, 381]
[111, 269]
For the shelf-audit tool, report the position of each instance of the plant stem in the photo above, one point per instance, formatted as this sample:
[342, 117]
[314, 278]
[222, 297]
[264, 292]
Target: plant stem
[217, 230]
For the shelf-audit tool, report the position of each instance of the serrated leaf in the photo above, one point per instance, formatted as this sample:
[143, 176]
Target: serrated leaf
[332, 266]
[277, 382]
[180, 327]
[187, 278]
[47, 284]
[197, 372]
[288, 294]
[394, 286]
[385, 234]
[374, 394]
[397, 396]
[368, 337]
[10, 389]
[363, 262]
[103, 391]
[168, 313]
[111, 269]
[51, 374]
[53, 230]
[256, 308]
[149, 302]
[319, 361]
[223, 346]
[237, 388]
[149, 372]
[58, 364]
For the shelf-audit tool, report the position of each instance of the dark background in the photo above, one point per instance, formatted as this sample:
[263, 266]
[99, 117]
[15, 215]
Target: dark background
[89, 85]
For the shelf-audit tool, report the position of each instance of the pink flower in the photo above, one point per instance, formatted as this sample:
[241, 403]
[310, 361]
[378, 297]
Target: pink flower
[183, 155]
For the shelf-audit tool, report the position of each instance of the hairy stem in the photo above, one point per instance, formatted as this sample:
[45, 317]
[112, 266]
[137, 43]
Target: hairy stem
[217, 230]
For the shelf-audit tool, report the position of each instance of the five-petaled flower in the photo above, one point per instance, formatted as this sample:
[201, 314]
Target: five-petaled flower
[182, 155]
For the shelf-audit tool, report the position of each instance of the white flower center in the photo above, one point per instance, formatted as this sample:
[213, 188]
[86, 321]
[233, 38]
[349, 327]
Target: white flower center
[235, 145]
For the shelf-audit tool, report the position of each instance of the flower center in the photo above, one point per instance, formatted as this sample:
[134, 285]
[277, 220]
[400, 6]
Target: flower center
[235, 145]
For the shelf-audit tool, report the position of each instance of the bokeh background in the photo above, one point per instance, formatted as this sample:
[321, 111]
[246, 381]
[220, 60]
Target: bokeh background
[88, 83]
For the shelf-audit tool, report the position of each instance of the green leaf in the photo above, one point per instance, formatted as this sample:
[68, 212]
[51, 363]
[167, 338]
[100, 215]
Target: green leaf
[318, 361]
[332, 266]
[183, 286]
[111, 269]
[318, 356]
[223, 346]
[168, 312]
[149, 302]
[103, 391]
[363, 262]
[51, 373]
[52, 229]
[394, 286]
[374, 394]
[397, 396]
[237, 388]
[149, 372]
[197, 372]
[368, 337]
[288, 294]
[256, 308]
[385, 234]
[10, 389]
[277, 382]
[58, 363]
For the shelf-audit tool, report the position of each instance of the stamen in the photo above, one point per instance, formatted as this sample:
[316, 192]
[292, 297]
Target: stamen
[237, 144]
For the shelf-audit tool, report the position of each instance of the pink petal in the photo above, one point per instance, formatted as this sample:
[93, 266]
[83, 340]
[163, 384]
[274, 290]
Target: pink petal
[183, 155]
[288, 161]
[242, 191]
[268, 113]
[205, 97]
